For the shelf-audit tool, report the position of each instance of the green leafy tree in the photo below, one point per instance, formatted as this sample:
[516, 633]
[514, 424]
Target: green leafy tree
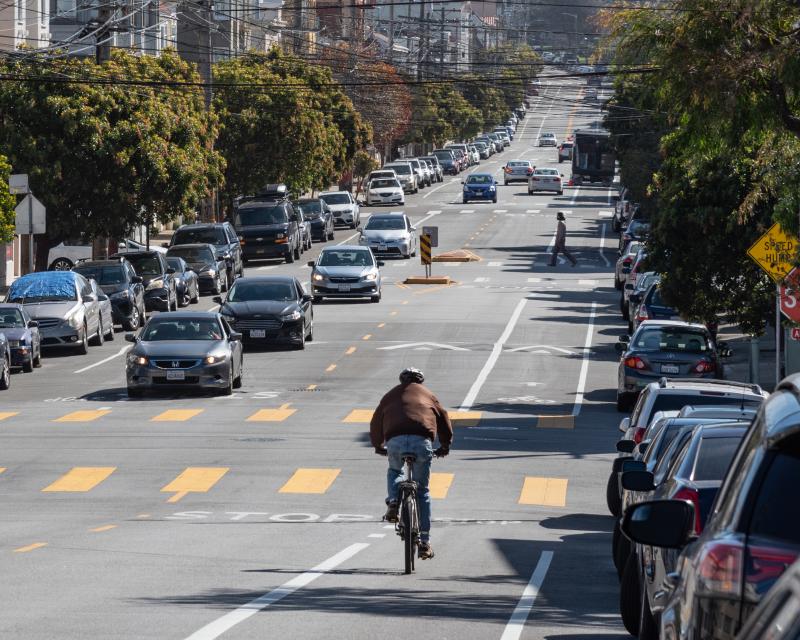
[7, 203]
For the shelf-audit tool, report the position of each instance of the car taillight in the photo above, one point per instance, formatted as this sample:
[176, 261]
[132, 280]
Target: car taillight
[508, 169]
[529, 171]
[767, 564]
[704, 366]
[720, 569]
[635, 362]
[691, 495]
[638, 434]
[643, 314]
[558, 179]
[626, 262]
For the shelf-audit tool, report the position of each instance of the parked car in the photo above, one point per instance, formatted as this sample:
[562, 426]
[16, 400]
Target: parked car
[545, 179]
[269, 310]
[5, 364]
[106, 329]
[547, 140]
[643, 282]
[625, 262]
[448, 161]
[474, 154]
[490, 146]
[406, 175]
[751, 537]
[652, 307]
[665, 348]
[344, 207]
[517, 171]
[436, 166]
[479, 186]
[390, 234]
[202, 260]
[484, 150]
[306, 240]
[222, 236]
[118, 279]
[346, 271]
[778, 614]
[22, 339]
[380, 173]
[156, 274]
[66, 254]
[317, 211]
[268, 227]
[187, 284]
[385, 191]
[565, 151]
[638, 266]
[637, 229]
[63, 304]
[184, 350]
[462, 154]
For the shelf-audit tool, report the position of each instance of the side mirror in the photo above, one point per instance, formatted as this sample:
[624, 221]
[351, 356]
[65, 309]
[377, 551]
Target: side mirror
[310, 263]
[307, 297]
[624, 424]
[165, 245]
[170, 271]
[130, 337]
[629, 286]
[137, 280]
[294, 217]
[635, 298]
[637, 481]
[381, 263]
[642, 447]
[33, 323]
[626, 446]
[413, 228]
[227, 256]
[217, 299]
[632, 465]
[235, 336]
[660, 523]
[88, 298]
[462, 182]
[359, 229]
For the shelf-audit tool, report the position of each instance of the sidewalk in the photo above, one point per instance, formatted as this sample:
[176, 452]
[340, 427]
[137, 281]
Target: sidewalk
[737, 367]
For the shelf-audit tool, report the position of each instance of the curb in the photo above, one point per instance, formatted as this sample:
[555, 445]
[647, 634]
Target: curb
[431, 280]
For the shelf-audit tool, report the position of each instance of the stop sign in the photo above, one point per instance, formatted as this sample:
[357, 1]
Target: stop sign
[790, 295]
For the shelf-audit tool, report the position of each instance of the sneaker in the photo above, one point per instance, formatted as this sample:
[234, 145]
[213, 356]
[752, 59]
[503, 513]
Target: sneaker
[391, 512]
[425, 551]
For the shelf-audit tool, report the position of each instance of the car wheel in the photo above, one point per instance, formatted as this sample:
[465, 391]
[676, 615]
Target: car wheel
[5, 374]
[290, 257]
[648, 629]
[110, 332]
[466, 201]
[530, 192]
[302, 343]
[61, 264]
[135, 393]
[37, 360]
[27, 367]
[353, 224]
[317, 299]
[629, 596]
[613, 501]
[376, 298]
[494, 200]
[624, 309]
[196, 297]
[223, 285]
[505, 183]
[228, 389]
[237, 381]
[331, 233]
[133, 323]
[185, 298]
[99, 338]
[617, 284]
[83, 345]
[623, 402]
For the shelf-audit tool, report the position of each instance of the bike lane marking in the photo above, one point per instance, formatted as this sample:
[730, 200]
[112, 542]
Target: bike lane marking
[516, 622]
[223, 624]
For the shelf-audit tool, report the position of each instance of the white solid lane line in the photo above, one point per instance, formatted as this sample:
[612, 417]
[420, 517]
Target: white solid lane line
[576, 409]
[97, 364]
[603, 244]
[444, 184]
[219, 626]
[497, 349]
[516, 622]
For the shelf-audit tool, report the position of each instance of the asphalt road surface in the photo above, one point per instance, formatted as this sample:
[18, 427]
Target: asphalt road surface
[259, 515]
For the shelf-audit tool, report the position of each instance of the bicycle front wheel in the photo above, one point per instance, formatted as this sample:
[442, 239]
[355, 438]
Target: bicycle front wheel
[408, 513]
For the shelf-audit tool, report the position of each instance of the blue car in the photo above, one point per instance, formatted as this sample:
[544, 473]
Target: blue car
[480, 186]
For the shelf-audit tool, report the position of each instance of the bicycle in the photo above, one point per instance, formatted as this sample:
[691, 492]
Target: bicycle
[407, 524]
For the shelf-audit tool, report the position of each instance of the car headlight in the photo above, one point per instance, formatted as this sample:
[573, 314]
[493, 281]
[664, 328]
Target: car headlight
[136, 359]
[370, 276]
[280, 235]
[317, 277]
[491, 188]
[13, 343]
[74, 321]
[214, 359]
[120, 295]
[158, 283]
[209, 272]
[294, 315]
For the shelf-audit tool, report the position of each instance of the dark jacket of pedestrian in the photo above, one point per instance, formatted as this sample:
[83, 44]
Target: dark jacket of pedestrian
[410, 410]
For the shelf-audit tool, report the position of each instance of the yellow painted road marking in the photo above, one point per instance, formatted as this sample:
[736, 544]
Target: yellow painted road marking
[2, 469]
[272, 415]
[367, 337]
[31, 547]
[393, 313]
[546, 492]
[194, 480]
[83, 416]
[311, 387]
[143, 515]
[404, 302]
[555, 422]
[382, 325]
[330, 368]
[8, 414]
[359, 415]
[434, 289]
[105, 527]
[401, 285]
[79, 479]
[176, 415]
[350, 351]
[440, 484]
[310, 481]
[465, 418]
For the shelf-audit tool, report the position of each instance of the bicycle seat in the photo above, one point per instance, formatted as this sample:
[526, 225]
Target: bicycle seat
[409, 456]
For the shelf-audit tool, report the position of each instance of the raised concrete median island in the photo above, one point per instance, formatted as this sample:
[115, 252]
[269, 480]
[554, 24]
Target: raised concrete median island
[457, 255]
[428, 280]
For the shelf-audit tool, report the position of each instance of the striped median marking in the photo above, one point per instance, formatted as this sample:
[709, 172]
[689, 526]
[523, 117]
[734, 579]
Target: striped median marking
[83, 416]
[176, 415]
[194, 480]
[545, 492]
[80, 479]
[30, 547]
[439, 485]
[556, 422]
[273, 415]
[310, 481]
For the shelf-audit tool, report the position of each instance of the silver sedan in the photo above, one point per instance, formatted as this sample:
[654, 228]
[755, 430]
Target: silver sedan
[346, 271]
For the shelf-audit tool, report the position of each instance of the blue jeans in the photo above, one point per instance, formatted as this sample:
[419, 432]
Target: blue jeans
[422, 448]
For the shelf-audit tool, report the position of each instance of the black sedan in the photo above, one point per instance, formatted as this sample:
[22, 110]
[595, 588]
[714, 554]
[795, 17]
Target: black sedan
[211, 270]
[269, 309]
[118, 280]
[156, 274]
[22, 335]
[317, 212]
[186, 283]
[184, 350]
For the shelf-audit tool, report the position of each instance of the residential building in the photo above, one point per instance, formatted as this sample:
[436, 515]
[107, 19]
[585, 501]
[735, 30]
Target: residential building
[24, 24]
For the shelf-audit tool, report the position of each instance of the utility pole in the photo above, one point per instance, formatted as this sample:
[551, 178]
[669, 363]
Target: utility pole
[102, 49]
[420, 41]
[206, 51]
[391, 32]
[443, 45]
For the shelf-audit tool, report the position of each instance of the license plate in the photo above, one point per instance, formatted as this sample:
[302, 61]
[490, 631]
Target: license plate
[670, 368]
[381, 247]
[260, 250]
[258, 333]
[344, 287]
[176, 375]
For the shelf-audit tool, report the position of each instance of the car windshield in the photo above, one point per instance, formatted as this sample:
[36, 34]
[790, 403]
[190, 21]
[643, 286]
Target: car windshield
[672, 339]
[260, 214]
[11, 319]
[401, 169]
[49, 286]
[519, 164]
[714, 457]
[175, 263]
[381, 223]
[345, 258]
[249, 291]
[384, 183]
[192, 254]
[310, 207]
[547, 172]
[210, 235]
[548, 135]
[656, 300]
[158, 330]
[103, 275]
[145, 264]
[336, 198]
[479, 180]
[443, 155]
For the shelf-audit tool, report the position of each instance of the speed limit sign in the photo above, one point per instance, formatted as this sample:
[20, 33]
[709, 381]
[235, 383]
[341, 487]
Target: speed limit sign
[790, 295]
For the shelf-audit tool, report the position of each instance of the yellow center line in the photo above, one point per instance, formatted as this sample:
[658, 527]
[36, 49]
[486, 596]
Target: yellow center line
[30, 547]
[105, 527]
[330, 368]
[176, 415]
[311, 387]
[2, 469]
[8, 414]
[83, 416]
[350, 351]
[381, 325]
[367, 337]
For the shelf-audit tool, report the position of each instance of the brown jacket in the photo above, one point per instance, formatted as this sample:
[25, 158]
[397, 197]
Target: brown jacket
[561, 235]
[410, 410]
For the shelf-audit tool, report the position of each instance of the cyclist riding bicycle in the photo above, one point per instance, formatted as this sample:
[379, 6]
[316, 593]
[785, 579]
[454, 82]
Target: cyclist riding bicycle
[408, 420]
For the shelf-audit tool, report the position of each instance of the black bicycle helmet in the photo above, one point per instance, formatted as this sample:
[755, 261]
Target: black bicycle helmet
[409, 375]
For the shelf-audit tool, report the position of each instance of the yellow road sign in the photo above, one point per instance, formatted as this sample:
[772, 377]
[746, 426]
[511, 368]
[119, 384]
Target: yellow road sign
[774, 252]
[425, 248]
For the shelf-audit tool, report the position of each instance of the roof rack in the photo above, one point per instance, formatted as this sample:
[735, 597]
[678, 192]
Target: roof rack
[727, 383]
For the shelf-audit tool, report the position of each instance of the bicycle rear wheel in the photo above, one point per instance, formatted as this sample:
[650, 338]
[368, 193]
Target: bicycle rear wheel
[409, 543]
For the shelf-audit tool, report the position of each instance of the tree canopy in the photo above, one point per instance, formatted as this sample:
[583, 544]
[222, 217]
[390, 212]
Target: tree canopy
[7, 203]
